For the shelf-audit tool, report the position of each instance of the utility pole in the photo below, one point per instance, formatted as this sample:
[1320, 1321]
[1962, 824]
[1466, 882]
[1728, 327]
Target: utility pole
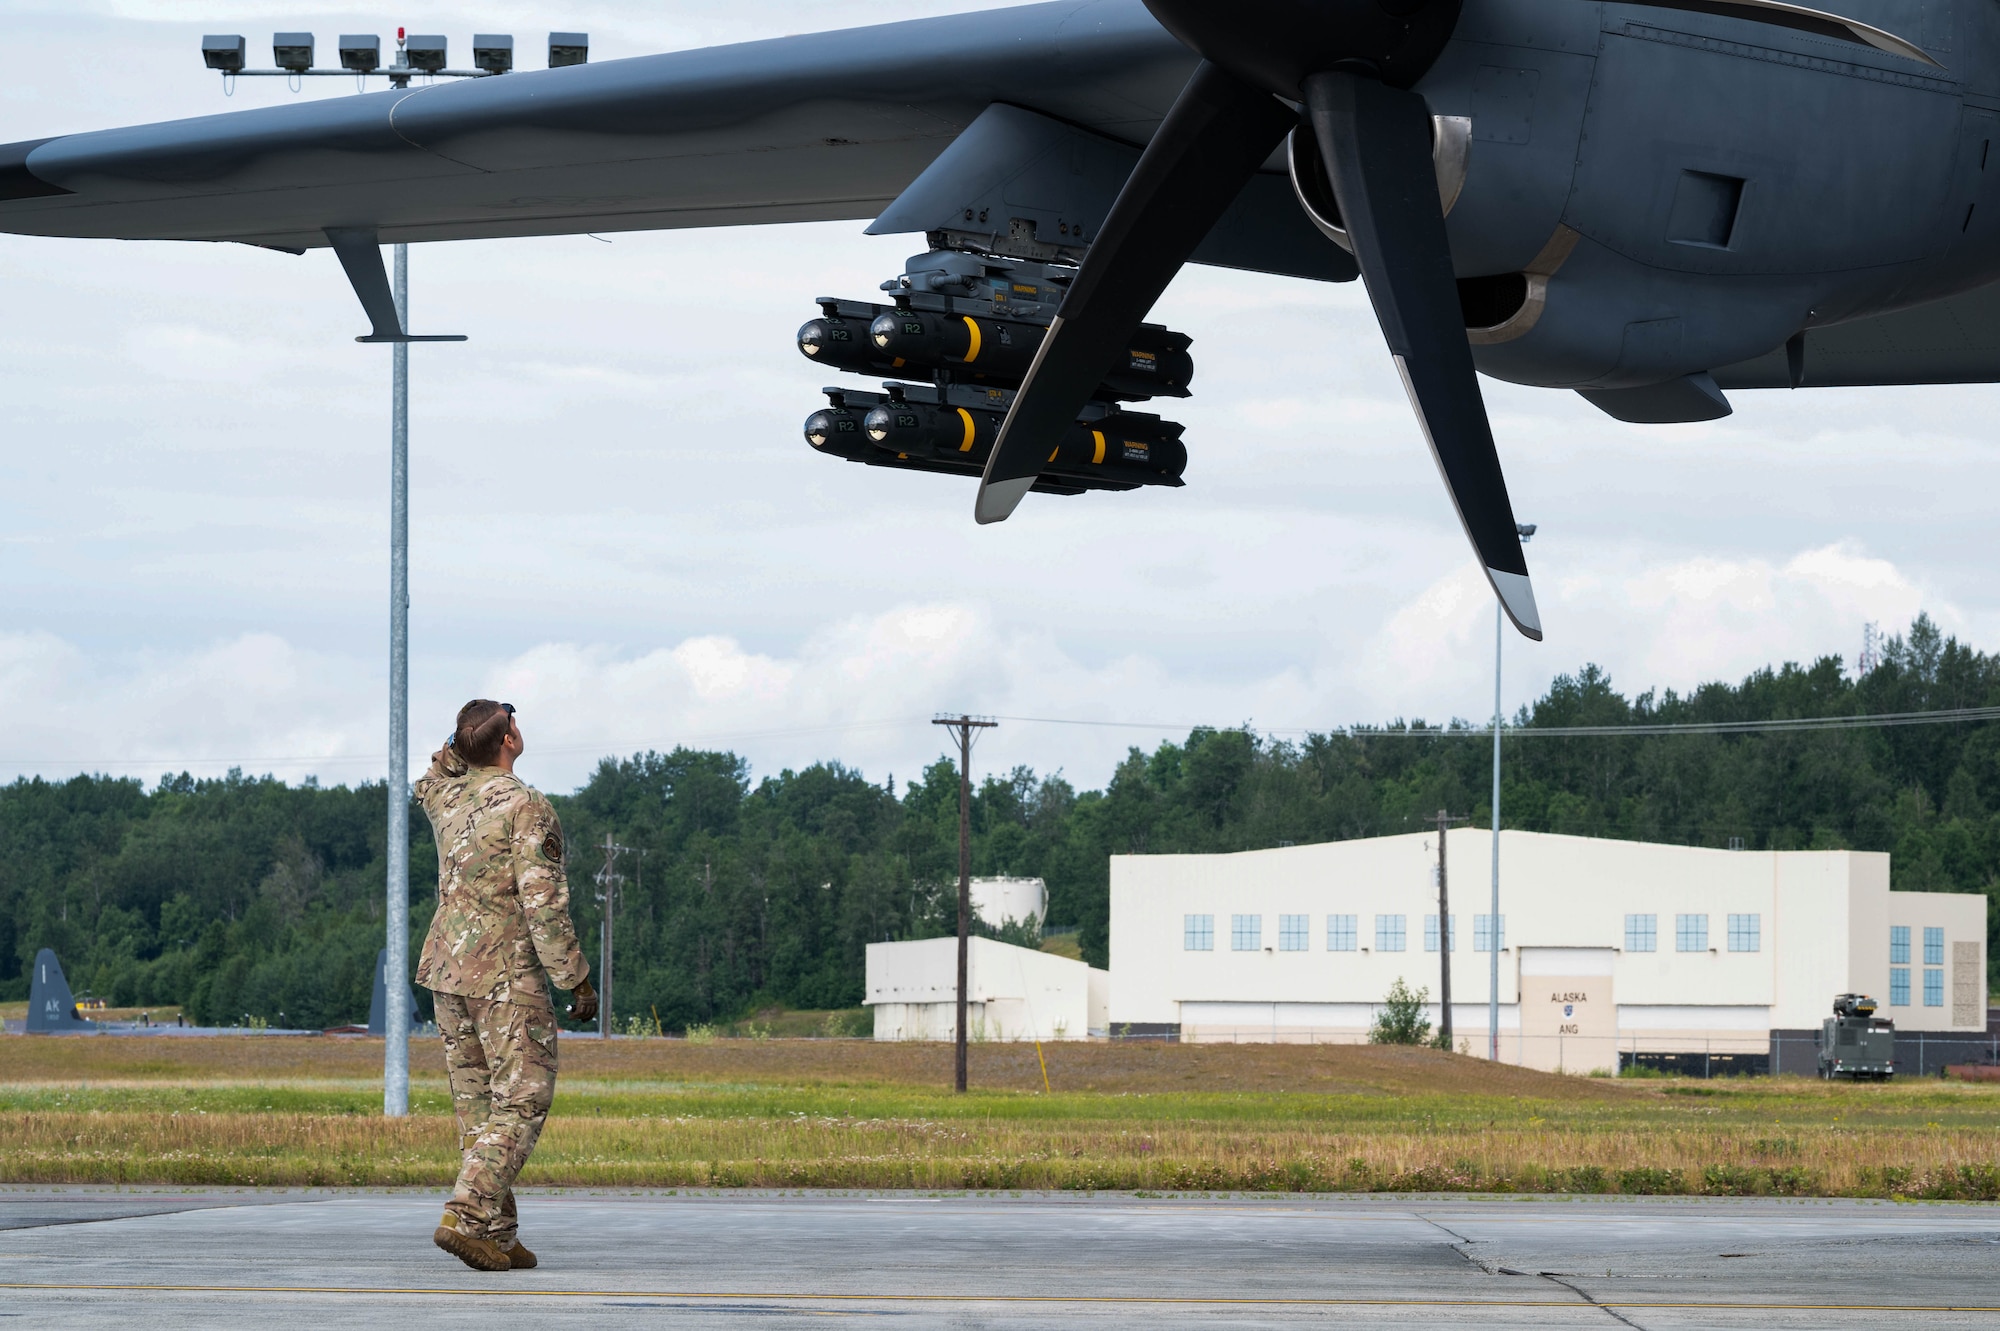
[964, 725]
[608, 882]
[1494, 933]
[1445, 820]
[396, 997]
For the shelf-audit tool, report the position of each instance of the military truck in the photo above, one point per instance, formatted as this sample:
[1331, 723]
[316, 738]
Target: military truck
[1854, 1043]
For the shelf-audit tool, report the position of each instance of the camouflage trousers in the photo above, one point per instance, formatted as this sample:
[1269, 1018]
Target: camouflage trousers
[501, 1058]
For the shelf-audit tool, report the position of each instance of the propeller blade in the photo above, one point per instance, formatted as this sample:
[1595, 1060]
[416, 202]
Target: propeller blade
[1218, 133]
[1377, 145]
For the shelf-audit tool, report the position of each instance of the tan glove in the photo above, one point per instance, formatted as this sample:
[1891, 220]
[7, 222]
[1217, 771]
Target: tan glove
[583, 1002]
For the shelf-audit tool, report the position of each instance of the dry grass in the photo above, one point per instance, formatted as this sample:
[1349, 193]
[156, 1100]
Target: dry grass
[1137, 1067]
[1159, 1118]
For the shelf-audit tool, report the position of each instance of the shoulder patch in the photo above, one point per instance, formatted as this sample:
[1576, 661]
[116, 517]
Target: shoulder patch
[552, 845]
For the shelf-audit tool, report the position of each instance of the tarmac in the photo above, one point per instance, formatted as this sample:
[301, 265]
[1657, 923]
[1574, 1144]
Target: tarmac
[165, 1258]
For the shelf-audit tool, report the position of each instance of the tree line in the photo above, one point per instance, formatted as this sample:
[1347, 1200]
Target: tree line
[246, 898]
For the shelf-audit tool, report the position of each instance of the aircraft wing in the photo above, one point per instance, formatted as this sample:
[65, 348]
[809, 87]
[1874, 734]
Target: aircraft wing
[807, 128]
[1950, 341]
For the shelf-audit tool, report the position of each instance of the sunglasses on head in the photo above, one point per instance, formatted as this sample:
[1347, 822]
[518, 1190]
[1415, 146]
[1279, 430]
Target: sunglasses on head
[507, 707]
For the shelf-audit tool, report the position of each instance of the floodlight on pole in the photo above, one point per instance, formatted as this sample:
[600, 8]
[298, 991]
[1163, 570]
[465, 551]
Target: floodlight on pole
[492, 52]
[1495, 934]
[292, 52]
[224, 53]
[359, 53]
[427, 53]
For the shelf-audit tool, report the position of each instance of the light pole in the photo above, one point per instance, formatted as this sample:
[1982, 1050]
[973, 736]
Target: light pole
[1493, 932]
[361, 58]
[396, 972]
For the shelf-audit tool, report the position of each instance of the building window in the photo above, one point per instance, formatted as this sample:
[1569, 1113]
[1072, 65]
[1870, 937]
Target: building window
[1746, 933]
[1198, 933]
[1294, 933]
[1340, 933]
[1482, 933]
[1431, 934]
[1642, 933]
[1899, 945]
[1933, 986]
[1899, 986]
[1933, 947]
[1246, 933]
[1389, 933]
[1690, 933]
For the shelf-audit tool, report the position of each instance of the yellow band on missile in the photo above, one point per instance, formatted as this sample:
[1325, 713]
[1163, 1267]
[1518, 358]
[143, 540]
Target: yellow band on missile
[1098, 458]
[972, 351]
[965, 445]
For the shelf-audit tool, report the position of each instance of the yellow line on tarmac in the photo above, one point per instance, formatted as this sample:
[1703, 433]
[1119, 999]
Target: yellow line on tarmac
[738, 1296]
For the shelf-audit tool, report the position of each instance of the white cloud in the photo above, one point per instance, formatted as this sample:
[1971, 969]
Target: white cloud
[255, 701]
[861, 689]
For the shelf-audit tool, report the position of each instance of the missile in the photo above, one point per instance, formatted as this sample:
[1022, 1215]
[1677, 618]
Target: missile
[842, 343]
[1121, 448]
[1000, 351]
[837, 428]
[1115, 450]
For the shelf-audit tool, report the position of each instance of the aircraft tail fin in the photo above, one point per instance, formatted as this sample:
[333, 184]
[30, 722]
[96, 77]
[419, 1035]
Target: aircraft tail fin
[378, 1003]
[51, 1007]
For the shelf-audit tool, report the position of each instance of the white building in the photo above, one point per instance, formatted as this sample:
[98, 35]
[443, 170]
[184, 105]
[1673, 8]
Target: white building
[1001, 901]
[1012, 993]
[1605, 946]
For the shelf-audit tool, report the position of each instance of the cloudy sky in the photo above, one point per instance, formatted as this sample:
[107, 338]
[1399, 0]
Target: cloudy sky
[617, 526]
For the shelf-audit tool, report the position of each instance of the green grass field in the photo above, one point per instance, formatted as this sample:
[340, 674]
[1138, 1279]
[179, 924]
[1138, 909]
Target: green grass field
[851, 1113]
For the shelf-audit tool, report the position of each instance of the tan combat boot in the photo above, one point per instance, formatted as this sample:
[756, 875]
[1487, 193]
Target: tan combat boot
[477, 1253]
[520, 1258]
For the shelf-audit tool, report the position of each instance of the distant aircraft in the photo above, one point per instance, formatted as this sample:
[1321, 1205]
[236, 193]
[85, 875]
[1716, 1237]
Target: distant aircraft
[1646, 202]
[51, 1007]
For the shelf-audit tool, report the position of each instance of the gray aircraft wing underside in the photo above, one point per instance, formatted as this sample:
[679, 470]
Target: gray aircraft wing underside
[1950, 341]
[819, 127]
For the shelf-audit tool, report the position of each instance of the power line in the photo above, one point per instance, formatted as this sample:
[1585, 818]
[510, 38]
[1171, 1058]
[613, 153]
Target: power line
[1855, 722]
[1860, 722]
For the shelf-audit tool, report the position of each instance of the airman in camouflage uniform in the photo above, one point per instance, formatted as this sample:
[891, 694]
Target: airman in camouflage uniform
[499, 944]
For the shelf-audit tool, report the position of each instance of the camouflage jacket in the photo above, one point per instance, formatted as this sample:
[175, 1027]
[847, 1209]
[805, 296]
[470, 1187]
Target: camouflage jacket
[502, 929]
